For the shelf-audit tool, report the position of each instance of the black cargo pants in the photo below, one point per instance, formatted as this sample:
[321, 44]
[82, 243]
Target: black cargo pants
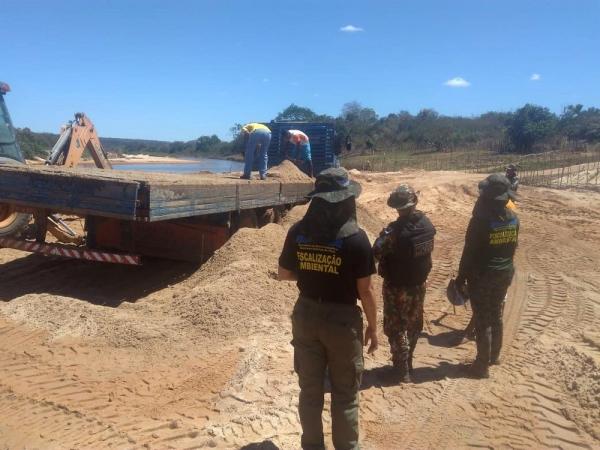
[487, 291]
[328, 335]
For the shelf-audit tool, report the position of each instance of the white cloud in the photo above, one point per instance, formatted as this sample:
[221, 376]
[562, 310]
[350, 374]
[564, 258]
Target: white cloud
[351, 29]
[535, 77]
[457, 82]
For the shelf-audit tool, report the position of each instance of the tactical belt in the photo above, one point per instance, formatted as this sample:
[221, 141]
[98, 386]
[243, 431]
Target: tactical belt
[321, 300]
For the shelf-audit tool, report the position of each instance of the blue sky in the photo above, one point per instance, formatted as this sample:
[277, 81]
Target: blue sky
[176, 70]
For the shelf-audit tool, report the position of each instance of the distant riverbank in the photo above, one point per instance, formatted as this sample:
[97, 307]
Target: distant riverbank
[151, 159]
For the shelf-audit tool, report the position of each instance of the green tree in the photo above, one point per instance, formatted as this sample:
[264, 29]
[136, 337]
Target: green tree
[428, 114]
[360, 123]
[176, 147]
[207, 144]
[298, 114]
[577, 123]
[354, 112]
[235, 130]
[530, 125]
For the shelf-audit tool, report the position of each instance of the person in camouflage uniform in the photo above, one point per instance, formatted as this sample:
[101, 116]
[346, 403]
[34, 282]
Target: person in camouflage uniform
[403, 322]
[487, 267]
[403, 250]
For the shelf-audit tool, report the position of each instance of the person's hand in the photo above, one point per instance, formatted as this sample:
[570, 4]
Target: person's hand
[4, 88]
[371, 337]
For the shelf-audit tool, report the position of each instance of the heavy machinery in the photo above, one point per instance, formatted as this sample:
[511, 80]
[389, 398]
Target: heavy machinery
[11, 221]
[127, 215]
[76, 137]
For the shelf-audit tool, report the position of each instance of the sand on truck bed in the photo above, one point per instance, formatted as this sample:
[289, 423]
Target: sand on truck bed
[173, 355]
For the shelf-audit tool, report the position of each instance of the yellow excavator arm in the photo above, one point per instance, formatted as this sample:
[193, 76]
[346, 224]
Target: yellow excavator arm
[76, 137]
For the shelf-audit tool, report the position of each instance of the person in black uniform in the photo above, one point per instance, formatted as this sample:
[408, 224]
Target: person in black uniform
[511, 174]
[331, 259]
[487, 266]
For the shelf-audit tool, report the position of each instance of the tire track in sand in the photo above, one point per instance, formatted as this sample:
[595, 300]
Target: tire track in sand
[67, 411]
[536, 302]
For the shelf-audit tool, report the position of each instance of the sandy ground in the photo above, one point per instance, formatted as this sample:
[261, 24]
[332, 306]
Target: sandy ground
[171, 355]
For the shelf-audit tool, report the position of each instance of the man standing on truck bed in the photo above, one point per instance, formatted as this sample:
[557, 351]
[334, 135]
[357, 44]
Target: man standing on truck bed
[487, 266]
[331, 259]
[256, 136]
[301, 152]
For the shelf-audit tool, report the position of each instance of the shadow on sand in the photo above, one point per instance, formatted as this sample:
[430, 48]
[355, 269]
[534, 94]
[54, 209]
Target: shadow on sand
[97, 283]
[386, 376]
[264, 445]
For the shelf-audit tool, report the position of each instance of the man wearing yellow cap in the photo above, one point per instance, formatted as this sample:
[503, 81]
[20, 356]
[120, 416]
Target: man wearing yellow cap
[256, 137]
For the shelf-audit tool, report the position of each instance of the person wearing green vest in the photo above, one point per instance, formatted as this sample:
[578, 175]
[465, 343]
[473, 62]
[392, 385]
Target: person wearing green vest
[486, 267]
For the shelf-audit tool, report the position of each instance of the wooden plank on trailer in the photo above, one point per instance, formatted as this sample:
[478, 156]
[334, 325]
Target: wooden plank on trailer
[293, 192]
[64, 192]
[188, 201]
[142, 196]
[170, 202]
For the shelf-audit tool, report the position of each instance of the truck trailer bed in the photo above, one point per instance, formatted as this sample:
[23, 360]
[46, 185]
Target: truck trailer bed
[147, 197]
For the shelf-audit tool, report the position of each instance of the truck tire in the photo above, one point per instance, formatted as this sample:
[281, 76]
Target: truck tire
[11, 222]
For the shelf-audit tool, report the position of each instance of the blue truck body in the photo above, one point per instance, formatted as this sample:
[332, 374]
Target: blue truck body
[322, 142]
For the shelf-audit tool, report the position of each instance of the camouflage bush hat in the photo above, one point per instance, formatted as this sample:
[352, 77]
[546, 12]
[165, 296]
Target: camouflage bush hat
[496, 187]
[402, 197]
[334, 185]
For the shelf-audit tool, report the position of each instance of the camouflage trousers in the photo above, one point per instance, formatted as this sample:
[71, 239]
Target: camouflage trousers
[403, 319]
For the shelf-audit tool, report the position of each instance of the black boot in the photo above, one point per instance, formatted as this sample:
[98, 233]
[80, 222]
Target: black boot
[403, 372]
[413, 345]
[496, 345]
[479, 368]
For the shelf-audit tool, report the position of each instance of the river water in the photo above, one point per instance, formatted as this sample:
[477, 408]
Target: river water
[210, 165]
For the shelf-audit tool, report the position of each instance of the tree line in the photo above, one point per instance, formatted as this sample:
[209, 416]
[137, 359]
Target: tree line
[529, 129]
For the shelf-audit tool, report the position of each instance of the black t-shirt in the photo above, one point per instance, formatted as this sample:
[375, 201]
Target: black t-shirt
[328, 271]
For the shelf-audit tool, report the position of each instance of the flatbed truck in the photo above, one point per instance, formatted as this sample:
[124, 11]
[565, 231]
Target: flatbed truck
[131, 215]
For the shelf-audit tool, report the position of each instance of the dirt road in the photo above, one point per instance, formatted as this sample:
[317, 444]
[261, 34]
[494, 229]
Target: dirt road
[175, 356]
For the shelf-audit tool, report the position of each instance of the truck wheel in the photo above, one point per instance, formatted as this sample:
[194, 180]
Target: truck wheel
[11, 222]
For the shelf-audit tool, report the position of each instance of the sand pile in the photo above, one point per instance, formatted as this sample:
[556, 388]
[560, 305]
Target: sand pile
[235, 293]
[287, 171]
[204, 360]
[63, 317]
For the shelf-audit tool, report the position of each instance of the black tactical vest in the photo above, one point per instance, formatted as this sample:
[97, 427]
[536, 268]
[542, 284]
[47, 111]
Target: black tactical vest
[408, 261]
